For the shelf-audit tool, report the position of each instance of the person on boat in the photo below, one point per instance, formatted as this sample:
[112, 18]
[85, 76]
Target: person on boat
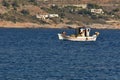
[87, 32]
[63, 33]
[83, 33]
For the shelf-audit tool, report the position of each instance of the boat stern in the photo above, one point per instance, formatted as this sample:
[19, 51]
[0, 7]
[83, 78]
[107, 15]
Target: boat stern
[60, 36]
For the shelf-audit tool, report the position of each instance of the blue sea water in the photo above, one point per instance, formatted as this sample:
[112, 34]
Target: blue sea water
[37, 54]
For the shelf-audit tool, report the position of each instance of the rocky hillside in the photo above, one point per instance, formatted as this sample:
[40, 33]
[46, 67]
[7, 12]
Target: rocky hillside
[23, 12]
[83, 1]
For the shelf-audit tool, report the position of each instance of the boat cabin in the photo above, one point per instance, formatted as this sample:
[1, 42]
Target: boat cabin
[83, 32]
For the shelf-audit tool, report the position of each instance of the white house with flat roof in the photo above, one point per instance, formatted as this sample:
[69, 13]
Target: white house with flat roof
[98, 11]
[45, 16]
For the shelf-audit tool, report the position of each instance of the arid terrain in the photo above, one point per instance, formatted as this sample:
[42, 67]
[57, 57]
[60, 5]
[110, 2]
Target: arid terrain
[72, 13]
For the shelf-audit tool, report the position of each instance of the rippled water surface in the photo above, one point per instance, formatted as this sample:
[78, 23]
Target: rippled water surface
[37, 54]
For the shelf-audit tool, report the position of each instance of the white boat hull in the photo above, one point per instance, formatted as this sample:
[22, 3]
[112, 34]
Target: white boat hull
[78, 38]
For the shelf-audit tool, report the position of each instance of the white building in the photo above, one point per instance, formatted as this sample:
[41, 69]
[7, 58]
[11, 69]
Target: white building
[46, 16]
[41, 16]
[98, 11]
[53, 15]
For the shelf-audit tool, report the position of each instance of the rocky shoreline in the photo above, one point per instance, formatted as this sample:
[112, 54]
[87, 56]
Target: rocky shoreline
[9, 24]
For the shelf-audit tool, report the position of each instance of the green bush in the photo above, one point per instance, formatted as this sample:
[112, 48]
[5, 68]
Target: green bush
[62, 15]
[116, 10]
[5, 3]
[15, 4]
[84, 12]
[25, 12]
[33, 1]
[54, 7]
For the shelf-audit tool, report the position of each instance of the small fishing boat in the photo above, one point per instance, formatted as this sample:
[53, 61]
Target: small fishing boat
[82, 34]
